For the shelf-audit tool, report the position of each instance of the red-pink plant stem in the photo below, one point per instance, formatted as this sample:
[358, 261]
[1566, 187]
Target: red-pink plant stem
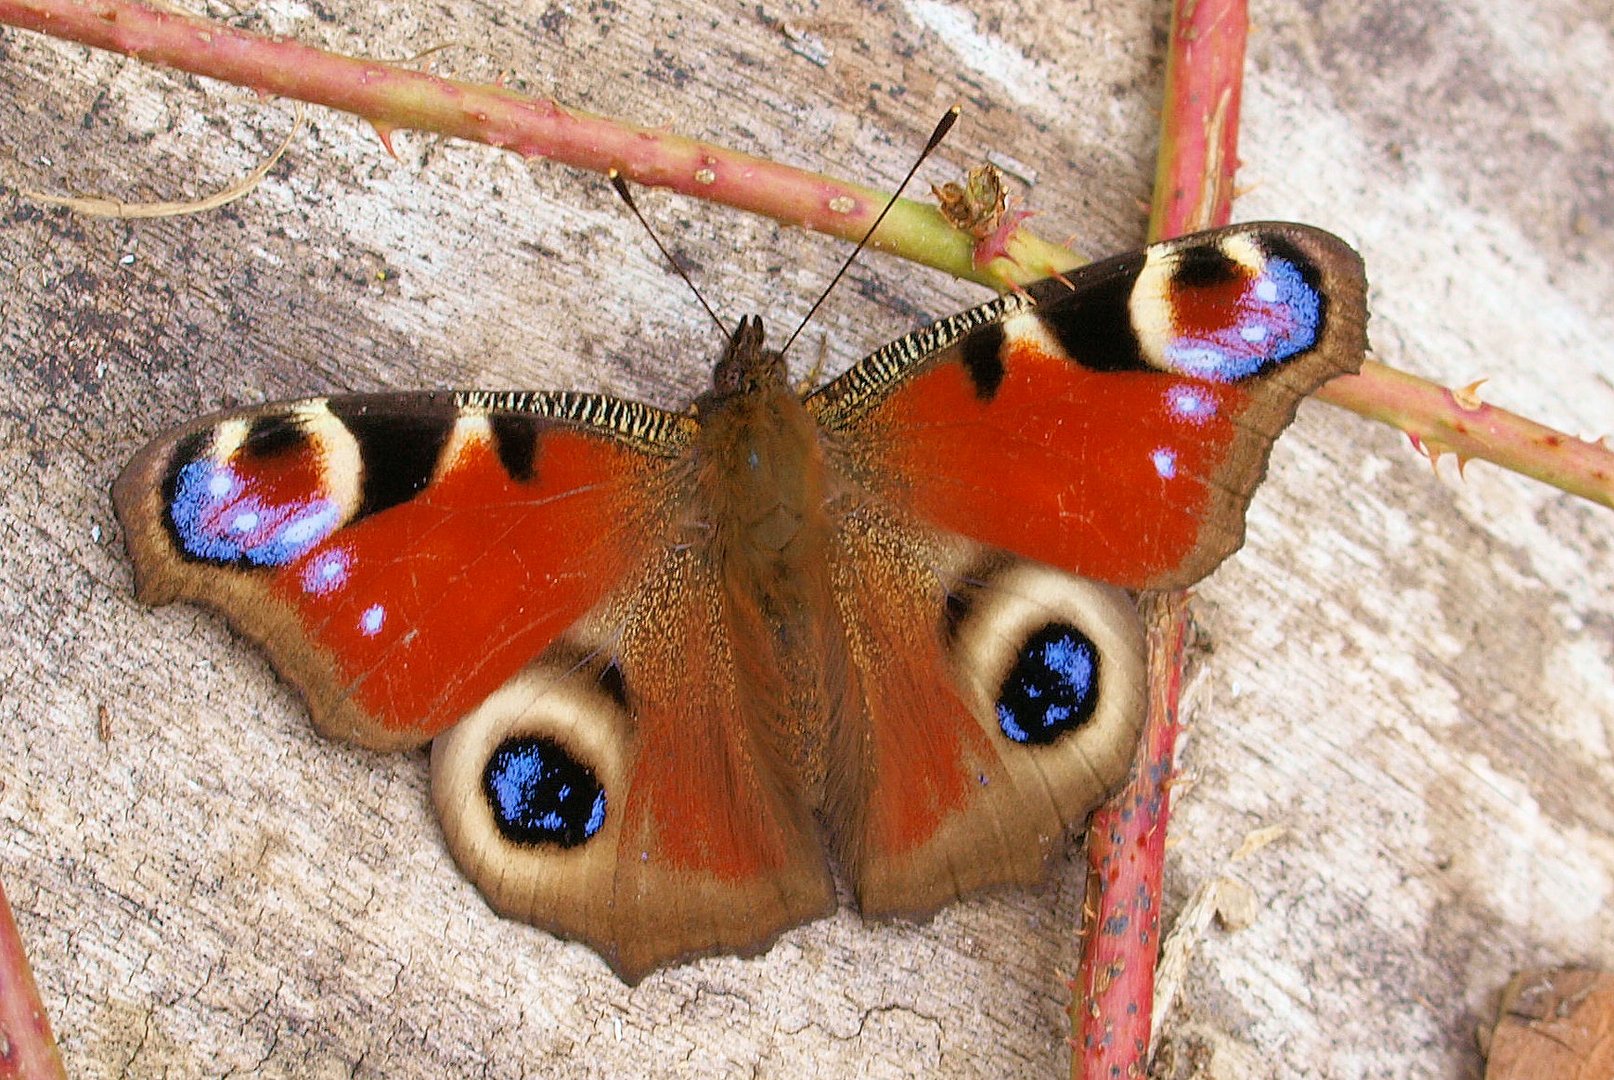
[1113, 1010]
[394, 98]
[27, 1048]
[1440, 421]
[1126, 852]
[1199, 135]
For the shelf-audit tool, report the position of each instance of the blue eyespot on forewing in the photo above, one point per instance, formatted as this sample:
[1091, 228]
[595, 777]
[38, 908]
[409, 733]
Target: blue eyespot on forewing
[1227, 308]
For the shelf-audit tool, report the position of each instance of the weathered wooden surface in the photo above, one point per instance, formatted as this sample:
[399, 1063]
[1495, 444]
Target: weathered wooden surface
[1412, 676]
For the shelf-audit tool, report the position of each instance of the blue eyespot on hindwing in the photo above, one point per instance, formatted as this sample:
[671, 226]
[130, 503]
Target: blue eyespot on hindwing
[1052, 688]
[540, 794]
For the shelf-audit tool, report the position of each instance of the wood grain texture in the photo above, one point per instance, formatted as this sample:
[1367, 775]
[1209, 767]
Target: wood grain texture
[1414, 677]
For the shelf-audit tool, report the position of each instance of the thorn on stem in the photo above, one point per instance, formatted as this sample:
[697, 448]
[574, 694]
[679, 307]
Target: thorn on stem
[384, 132]
[1467, 397]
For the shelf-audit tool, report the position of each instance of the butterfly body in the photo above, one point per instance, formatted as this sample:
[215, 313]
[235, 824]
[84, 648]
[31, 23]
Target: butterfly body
[677, 664]
[766, 499]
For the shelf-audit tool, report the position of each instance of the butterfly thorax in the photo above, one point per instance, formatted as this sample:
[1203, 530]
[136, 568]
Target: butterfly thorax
[762, 471]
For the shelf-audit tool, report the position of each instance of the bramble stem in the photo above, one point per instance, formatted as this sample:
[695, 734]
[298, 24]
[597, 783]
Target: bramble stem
[1441, 421]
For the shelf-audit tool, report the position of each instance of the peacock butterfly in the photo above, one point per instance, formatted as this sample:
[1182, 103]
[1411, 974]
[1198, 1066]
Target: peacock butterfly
[676, 662]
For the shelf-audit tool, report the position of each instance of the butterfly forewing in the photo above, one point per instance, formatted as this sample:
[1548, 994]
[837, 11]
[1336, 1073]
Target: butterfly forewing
[1113, 423]
[400, 556]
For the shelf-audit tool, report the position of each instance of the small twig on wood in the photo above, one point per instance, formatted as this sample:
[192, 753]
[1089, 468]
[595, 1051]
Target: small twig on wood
[96, 206]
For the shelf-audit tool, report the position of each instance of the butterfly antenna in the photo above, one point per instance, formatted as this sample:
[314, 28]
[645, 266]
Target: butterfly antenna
[621, 187]
[947, 121]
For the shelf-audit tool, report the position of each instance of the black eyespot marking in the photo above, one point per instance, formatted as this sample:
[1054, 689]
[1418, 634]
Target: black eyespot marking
[1053, 688]
[270, 436]
[516, 440]
[1094, 324]
[614, 685]
[1276, 247]
[540, 794]
[1203, 266]
[399, 452]
[982, 350]
[956, 611]
[186, 451]
[257, 509]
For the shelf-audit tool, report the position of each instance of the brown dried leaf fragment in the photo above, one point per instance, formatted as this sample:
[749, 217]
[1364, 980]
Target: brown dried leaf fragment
[1554, 1023]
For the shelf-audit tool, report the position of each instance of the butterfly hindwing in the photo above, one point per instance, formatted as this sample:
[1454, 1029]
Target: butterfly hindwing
[1113, 423]
[620, 790]
[1000, 702]
[400, 556]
